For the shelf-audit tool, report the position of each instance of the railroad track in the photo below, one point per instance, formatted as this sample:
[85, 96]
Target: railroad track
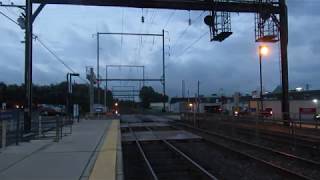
[306, 141]
[161, 160]
[299, 146]
[289, 165]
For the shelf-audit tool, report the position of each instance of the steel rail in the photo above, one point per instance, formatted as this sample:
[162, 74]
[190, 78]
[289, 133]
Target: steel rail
[143, 154]
[310, 144]
[171, 146]
[284, 170]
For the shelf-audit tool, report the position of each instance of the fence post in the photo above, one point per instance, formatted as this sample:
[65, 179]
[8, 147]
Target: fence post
[4, 134]
[57, 130]
[40, 126]
[18, 128]
[256, 128]
[300, 119]
[61, 125]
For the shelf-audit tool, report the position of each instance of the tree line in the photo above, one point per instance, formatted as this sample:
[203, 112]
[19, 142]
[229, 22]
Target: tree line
[55, 94]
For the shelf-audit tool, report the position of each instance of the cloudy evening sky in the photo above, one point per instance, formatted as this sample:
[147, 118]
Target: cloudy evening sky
[231, 65]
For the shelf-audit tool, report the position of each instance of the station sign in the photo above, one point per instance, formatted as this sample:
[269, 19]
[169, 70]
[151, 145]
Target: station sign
[307, 110]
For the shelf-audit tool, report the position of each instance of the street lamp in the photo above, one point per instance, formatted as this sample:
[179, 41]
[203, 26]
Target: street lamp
[69, 92]
[315, 101]
[263, 51]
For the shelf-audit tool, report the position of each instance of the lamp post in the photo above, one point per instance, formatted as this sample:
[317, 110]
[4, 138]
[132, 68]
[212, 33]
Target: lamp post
[69, 92]
[263, 51]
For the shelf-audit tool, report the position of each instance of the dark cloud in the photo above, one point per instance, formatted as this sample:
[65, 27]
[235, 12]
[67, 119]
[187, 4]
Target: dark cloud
[231, 65]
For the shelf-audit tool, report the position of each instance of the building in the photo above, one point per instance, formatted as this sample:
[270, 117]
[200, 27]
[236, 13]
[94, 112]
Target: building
[304, 105]
[213, 104]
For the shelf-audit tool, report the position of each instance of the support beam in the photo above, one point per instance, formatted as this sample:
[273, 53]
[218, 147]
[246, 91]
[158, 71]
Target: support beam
[163, 74]
[126, 95]
[234, 6]
[130, 80]
[28, 67]
[37, 12]
[284, 60]
[98, 67]
[129, 34]
[125, 91]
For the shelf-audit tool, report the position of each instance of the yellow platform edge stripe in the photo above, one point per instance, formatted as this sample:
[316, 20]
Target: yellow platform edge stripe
[105, 165]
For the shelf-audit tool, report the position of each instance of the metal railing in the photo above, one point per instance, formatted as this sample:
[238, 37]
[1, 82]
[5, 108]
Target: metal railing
[10, 127]
[42, 127]
[295, 120]
[295, 131]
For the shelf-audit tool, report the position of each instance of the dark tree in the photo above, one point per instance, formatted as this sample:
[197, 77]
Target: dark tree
[148, 95]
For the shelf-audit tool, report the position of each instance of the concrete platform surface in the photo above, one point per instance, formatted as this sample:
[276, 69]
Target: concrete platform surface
[70, 159]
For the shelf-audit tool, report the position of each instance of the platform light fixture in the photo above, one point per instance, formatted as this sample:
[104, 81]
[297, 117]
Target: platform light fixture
[299, 89]
[263, 50]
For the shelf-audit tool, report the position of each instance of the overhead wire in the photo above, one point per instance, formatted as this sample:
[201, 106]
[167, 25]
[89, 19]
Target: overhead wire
[185, 30]
[45, 46]
[10, 9]
[193, 43]
[169, 18]
[9, 18]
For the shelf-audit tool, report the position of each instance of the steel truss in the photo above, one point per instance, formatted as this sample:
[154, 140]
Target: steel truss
[143, 80]
[278, 7]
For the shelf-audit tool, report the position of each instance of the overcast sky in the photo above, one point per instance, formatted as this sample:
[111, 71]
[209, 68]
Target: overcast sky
[228, 66]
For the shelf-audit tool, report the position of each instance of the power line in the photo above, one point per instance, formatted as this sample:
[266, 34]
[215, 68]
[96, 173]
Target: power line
[57, 57]
[193, 43]
[9, 18]
[169, 18]
[186, 29]
[45, 46]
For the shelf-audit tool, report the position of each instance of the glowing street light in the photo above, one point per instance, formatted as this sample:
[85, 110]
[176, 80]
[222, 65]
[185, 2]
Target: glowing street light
[116, 104]
[299, 89]
[263, 51]
[315, 101]
[190, 105]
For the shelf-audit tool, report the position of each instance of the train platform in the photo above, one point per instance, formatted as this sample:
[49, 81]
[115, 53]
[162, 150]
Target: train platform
[92, 151]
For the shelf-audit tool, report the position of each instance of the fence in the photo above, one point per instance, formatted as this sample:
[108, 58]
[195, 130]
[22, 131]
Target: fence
[42, 127]
[258, 126]
[10, 127]
[295, 120]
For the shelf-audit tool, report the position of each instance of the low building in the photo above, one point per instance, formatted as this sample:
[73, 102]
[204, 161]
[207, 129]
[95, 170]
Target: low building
[303, 104]
[158, 106]
[201, 104]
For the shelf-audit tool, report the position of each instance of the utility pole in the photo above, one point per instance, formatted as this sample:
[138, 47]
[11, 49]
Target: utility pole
[91, 78]
[28, 67]
[143, 77]
[98, 65]
[198, 99]
[261, 90]
[106, 89]
[164, 74]
[183, 89]
[284, 59]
